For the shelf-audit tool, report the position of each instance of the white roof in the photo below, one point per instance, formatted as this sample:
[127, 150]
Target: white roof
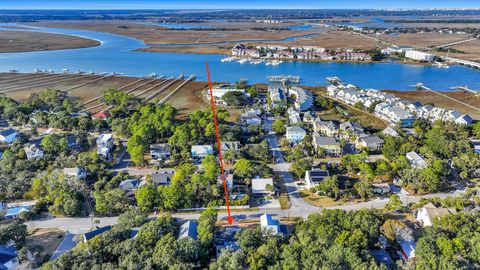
[104, 137]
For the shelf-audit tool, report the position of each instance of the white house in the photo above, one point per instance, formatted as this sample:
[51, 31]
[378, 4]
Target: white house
[251, 118]
[295, 134]
[314, 177]
[303, 98]
[220, 90]
[160, 151]
[230, 145]
[259, 185]
[464, 120]
[428, 213]
[105, 140]
[390, 132]
[269, 225]
[8, 135]
[416, 161]
[201, 151]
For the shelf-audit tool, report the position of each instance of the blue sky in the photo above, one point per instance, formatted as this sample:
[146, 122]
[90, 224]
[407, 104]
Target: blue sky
[216, 4]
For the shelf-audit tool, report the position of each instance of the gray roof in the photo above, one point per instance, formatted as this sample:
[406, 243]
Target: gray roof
[323, 140]
[162, 178]
[372, 139]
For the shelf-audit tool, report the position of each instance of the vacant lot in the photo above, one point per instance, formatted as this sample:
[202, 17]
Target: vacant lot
[43, 242]
[18, 41]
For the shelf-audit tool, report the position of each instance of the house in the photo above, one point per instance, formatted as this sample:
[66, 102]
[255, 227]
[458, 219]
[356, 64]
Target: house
[314, 177]
[76, 172]
[416, 161]
[372, 143]
[348, 130]
[293, 116]
[382, 257]
[162, 178]
[260, 185]
[231, 145]
[269, 225]
[104, 152]
[105, 141]
[329, 145]
[381, 188]
[160, 152]
[251, 118]
[101, 115]
[129, 185]
[476, 145]
[428, 213]
[98, 231]
[188, 229]
[33, 151]
[464, 120]
[201, 151]
[308, 118]
[303, 98]
[390, 132]
[228, 178]
[16, 211]
[327, 128]
[276, 95]
[8, 135]
[8, 258]
[295, 134]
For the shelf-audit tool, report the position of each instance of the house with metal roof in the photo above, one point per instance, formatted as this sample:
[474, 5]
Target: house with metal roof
[188, 229]
[260, 185]
[201, 151]
[161, 178]
[269, 225]
[92, 234]
[8, 135]
[416, 161]
[313, 177]
[8, 258]
[429, 213]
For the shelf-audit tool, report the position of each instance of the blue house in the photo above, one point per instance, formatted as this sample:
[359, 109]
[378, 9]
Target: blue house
[14, 212]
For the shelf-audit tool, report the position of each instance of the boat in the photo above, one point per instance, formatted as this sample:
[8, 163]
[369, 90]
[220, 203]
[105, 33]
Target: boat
[440, 65]
[242, 61]
[227, 59]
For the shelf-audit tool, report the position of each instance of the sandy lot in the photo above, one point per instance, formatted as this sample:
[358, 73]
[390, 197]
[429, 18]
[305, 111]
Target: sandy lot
[45, 242]
[437, 100]
[17, 41]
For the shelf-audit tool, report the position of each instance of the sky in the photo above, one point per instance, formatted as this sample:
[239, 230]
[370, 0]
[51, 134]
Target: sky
[256, 4]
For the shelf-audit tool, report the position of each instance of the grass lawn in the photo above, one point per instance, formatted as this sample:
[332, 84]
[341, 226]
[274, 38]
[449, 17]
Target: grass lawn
[318, 200]
[284, 201]
[43, 242]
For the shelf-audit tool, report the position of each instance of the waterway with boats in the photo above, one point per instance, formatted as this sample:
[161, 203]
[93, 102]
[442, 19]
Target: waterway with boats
[118, 54]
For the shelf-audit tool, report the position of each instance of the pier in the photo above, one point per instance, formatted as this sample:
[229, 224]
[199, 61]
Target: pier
[421, 86]
[463, 62]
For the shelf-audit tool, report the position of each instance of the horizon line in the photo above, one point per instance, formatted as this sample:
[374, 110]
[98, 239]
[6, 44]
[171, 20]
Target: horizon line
[224, 9]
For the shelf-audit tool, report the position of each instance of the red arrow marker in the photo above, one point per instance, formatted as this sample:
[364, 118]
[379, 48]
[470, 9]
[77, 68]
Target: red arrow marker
[222, 168]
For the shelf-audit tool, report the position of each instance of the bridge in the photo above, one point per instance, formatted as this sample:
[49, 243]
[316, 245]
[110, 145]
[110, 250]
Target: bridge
[463, 62]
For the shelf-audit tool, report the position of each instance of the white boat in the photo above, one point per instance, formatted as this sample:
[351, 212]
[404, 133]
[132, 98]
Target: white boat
[268, 63]
[440, 65]
[242, 61]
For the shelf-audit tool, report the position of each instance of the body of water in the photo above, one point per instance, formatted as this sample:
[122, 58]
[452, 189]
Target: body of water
[117, 54]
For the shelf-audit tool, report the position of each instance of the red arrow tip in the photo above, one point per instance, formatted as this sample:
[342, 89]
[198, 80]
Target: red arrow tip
[230, 220]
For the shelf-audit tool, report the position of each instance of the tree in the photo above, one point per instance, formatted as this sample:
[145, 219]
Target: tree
[136, 147]
[364, 189]
[279, 126]
[243, 168]
[132, 218]
[206, 227]
[229, 260]
[394, 203]
[16, 231]
[211, 168]
[110, 202]
[329, 186]
[235, 98]
[300, 166]
[51, 144]
[146, 198]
